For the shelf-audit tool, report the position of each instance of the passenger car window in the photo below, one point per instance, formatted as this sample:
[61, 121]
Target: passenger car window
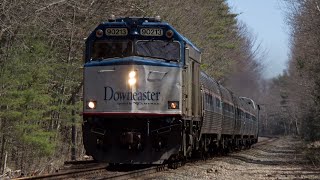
[218, 103]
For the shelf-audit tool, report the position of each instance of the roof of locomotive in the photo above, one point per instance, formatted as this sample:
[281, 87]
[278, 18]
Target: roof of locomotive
[132, 23]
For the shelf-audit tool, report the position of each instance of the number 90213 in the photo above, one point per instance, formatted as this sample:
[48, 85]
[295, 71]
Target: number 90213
[116, 31]
[151, 32]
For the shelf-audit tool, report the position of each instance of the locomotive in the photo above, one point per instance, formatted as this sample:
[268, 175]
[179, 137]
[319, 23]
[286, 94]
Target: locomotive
[146, 101]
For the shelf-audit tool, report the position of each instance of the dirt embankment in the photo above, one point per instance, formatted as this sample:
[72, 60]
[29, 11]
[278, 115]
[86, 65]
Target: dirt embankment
[278, 159]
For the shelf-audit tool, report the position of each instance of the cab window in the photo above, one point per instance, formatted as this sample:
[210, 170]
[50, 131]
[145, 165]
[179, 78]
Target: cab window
[165, 50]
[111, 49]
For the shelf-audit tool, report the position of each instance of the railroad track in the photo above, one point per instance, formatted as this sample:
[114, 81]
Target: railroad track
[84, 169]
[93, 170]
[265, 140]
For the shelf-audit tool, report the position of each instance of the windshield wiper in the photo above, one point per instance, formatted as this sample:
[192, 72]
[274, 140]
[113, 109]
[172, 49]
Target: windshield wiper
[159, 58]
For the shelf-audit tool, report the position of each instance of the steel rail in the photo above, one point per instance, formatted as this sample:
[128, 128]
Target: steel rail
[71, 173]
[100, 172]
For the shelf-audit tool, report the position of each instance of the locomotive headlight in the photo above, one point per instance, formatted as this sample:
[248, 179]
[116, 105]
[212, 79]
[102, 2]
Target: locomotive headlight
[173, 104]
[132, 81]
[91, 104]
[132, 78]
[132, 74]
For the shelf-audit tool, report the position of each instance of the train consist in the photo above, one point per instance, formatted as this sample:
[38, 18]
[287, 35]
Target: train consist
[146, 101]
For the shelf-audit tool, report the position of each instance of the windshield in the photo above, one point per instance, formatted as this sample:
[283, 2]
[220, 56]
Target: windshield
[111, 49]
[159, 49]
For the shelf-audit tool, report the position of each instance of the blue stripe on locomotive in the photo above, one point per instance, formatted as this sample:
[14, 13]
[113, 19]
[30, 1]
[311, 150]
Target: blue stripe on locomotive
[134, 26]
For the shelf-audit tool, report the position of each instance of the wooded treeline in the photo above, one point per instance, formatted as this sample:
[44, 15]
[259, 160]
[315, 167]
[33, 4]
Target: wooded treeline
[293, 100]
[41, 46]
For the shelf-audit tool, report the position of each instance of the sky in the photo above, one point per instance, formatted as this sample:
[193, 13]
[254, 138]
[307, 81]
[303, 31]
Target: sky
[265, 19]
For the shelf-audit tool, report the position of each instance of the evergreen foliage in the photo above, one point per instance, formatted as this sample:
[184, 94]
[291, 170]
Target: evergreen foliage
[25, 98]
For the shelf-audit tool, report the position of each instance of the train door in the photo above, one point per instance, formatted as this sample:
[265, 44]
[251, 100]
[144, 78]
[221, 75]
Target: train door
[191, 84]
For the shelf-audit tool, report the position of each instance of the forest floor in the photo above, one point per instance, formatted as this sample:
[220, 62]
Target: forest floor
[283, 158]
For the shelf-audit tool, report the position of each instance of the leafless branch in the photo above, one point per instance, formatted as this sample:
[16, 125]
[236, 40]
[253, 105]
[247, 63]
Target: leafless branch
[317, 6]
[49, 5]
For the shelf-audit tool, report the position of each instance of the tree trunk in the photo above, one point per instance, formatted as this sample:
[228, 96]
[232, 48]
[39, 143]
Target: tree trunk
[5, 163]
[73, 131]
[296, 126]
[285, 128]
[3, 145]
